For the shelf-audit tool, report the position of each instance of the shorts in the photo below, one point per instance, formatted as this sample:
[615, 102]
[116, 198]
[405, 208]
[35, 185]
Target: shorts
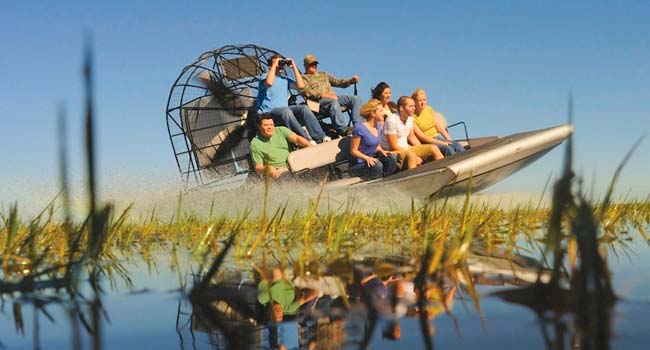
[422, 151]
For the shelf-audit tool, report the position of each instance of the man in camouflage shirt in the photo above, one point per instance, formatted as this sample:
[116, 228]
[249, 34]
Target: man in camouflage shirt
[318, 87]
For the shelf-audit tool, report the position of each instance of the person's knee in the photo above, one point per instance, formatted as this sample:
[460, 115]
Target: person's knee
[306, 112]
[286, 114]
[447, 151]
[376, 170]
[333, 107]
[300, 110]
[354, 170]
[411, 159]
[391, 161]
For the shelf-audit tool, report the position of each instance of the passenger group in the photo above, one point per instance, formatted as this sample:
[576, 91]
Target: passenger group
[385, 136]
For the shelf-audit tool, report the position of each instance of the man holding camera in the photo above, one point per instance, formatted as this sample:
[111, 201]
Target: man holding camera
[318, 87]
[273, 99]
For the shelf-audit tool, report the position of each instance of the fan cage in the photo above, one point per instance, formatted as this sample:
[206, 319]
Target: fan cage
[211, 111]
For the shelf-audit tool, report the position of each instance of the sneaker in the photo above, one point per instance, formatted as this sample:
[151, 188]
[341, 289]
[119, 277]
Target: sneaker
[312, 142]
[327, 139]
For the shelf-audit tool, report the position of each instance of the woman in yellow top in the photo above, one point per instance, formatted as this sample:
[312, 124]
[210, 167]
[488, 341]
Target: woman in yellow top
[425, 119]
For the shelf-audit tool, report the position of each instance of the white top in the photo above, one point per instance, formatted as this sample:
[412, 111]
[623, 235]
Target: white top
[393, 125]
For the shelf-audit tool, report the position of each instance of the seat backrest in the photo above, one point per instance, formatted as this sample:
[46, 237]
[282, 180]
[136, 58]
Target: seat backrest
[238, 100]
[441, 120]
[320, 155]
[314, 106]
[241, 67]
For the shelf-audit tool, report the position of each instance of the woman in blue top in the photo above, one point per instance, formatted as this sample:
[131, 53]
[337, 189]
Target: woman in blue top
[368, 160]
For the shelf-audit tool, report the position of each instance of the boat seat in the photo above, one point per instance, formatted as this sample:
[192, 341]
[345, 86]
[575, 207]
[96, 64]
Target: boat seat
[326, 154]
[441, 120]
[314, 106]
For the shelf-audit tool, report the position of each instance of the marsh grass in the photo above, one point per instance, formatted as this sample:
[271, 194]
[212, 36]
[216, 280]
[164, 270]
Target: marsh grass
[46, 240]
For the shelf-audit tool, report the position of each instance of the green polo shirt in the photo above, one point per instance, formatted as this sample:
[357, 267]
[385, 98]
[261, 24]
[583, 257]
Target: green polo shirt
[274, 150]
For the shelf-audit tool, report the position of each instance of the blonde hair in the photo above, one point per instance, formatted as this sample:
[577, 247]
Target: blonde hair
[417, 92]
[369, 107]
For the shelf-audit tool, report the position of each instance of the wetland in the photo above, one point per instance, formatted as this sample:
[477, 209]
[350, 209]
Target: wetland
[329, 275]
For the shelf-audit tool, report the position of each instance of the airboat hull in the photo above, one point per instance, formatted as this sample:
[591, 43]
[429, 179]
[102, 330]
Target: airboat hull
[475, 169]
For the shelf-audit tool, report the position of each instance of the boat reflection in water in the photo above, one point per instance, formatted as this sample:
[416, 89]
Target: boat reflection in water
[351, 306]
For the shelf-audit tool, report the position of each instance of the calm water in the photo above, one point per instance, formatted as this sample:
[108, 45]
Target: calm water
[153, 312]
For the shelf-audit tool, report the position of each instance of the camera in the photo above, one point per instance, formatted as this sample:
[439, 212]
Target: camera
[284, 62]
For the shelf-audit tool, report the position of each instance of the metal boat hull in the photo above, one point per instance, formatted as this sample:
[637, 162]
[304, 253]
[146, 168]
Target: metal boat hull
[478, 167]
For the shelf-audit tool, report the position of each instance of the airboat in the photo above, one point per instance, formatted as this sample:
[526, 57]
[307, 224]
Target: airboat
[211, 121]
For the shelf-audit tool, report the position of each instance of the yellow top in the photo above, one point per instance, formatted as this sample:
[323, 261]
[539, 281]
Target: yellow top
[426, 121]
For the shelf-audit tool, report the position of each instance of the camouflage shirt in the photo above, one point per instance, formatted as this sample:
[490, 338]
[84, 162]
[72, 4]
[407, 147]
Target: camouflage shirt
[320, 82]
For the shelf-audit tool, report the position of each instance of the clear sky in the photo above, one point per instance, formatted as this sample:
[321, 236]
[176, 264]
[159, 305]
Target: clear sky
[500, 66]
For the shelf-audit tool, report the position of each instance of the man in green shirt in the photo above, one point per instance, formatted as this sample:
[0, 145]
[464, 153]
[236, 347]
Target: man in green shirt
[279, 293]
[270, 147]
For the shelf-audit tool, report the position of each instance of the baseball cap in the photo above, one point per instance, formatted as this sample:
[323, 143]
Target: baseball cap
[310, 59]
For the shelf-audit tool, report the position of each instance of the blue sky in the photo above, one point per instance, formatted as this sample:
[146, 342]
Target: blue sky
[500, 66]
